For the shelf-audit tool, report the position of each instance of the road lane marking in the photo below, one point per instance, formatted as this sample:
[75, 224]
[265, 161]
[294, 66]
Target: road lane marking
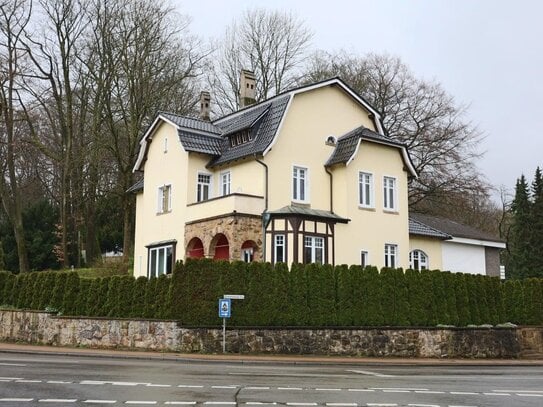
[289, 388]
[180, 403]
[423, 405]
[224, 387]
[396, 391]
[140, 402]
[429, 392]
[126, 383]
[256, 388]
[363, 390]
[367, 372]
[100, 401]
[57, 400]
[11, 378]
[16, 400]
[13, 364]
[190, 386]
[529, 395]
[496, 394]
[399, 388]
[58, 382]
[381, 405]
[301, 404]
[341, 404]
[93, 382]
[27, 381]
[464, 393]
[158, 385]
[518, 391]
[327, 389]
[229, 403]
[260, 403]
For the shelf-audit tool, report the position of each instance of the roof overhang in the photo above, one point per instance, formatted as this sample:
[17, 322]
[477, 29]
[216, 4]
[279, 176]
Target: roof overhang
[477, 242]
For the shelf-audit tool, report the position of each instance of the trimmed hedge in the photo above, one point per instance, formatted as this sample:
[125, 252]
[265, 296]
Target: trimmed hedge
[305, 295]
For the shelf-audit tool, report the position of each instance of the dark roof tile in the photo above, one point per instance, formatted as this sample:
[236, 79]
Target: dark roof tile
[200, 143]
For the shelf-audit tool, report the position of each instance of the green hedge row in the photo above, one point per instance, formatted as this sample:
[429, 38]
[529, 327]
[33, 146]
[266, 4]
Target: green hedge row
[305, 295]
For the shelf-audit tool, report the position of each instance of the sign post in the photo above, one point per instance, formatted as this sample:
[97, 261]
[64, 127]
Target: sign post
[225, 311]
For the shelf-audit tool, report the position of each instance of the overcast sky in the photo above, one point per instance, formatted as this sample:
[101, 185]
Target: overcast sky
[487, 54]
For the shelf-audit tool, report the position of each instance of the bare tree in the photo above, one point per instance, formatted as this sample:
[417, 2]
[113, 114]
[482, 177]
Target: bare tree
[442, 143]
[14, 17]
[142, 60]
[272, 44]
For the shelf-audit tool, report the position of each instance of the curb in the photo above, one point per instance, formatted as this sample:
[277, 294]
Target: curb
[259, 359]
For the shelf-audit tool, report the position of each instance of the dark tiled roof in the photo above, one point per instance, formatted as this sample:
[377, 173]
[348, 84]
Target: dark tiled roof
[192, 123]
[264, 130]
[419, 228]
[303, 211]
[234, 123]
[200, 143]
[346, 144]
[138, 186]
[453, 228]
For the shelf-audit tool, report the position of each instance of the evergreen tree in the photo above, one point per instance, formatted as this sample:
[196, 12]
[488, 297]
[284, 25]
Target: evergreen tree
[82, 298]
[281, 284]
[347, 294]
[2, 262]
[462, 300]
[138, 297]
[535, 266]
[71, 294]
[373, 293]
[518, 242]
[471, 284]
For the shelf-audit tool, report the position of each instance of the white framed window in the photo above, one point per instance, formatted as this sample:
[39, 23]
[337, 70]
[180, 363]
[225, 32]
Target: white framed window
[279, 249]
[160, 260]
[365, 189]
[225, 183]
[164, 199]
[165, 144]
[418, 260]
[391, 255]
[247, 255]
[389, 194]
[314, 249]
[364, 258]
[300, 184]
[204, 186]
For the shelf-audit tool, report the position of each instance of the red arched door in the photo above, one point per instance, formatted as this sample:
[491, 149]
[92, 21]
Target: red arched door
[222, 248]
[195, 249]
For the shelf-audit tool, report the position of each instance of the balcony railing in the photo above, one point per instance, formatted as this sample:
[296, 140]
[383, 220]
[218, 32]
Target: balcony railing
[236, 202]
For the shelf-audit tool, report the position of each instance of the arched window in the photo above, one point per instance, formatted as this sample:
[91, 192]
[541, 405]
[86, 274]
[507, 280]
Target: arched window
[418, 260]
[220, 247]
[248, 249]
[195, 248]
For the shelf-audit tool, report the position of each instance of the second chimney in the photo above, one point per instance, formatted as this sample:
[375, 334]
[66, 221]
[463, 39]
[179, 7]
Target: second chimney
[247, 88]
[205, 99]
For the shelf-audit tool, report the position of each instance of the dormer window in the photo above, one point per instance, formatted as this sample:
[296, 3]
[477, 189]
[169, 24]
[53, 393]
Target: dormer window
[241, 137]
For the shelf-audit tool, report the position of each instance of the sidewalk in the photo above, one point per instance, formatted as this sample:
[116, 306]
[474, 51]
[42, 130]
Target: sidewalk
[246, 358]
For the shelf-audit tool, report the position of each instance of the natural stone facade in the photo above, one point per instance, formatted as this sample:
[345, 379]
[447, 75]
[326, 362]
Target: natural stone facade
[237, 228]
[45, 328]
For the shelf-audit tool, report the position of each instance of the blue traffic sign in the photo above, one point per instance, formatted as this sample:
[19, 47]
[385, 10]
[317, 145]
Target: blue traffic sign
[225, 307]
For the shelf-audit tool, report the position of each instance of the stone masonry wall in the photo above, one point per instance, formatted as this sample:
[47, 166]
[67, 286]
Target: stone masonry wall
[44, 328]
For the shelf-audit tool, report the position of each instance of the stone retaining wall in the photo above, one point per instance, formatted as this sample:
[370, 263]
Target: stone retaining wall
[48, 329]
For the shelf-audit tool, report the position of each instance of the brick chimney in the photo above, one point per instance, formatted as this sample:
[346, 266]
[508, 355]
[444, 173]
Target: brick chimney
[205, 99]
[247, 88]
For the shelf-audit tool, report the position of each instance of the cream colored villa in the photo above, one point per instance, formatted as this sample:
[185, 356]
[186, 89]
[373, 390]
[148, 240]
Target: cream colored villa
[306, 176]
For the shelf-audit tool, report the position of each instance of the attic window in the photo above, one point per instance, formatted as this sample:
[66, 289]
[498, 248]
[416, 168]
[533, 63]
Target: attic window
[331, 140]
[241, 137]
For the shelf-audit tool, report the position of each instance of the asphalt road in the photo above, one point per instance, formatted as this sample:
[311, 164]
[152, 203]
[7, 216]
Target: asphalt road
[53, 380]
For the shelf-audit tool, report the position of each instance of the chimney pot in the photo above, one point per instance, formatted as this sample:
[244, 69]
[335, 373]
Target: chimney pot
[247, 88]
[205, 99]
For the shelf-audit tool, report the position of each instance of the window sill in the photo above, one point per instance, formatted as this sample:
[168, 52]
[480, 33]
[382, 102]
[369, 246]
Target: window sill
[163, 213]
[391, 211]
[298, 202]
[366, 208]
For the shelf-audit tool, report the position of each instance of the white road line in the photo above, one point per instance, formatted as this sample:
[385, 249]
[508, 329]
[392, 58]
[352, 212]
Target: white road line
[396, 391]
[464, 393]
[94, 382]
[260, 403]
[429, 392]
[367, 372]
[256, 388]
[158, 385]
[461, 406]
[501, 390]
[190, 386]
[100, 401]
[140, 402]
[400, 388]
[381, 405]
[327, 389]
[362, 390]
[423, 405]
[529, 395]
[496, 394]
[57, 400]
[180, 403]
[301, 404]
[126, 383]
[341, 404]
[58, 382]
[223, 387]
[16, 400]
[230, 403]
[11, 378]
[289, 388]
[12, 364]
[27, 381]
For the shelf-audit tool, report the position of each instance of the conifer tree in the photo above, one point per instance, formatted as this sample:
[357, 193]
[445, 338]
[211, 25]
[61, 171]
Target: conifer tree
[535, 267]
[347, 294]
[462, 300]
[2, 262]
[138, 297]
[518, 242]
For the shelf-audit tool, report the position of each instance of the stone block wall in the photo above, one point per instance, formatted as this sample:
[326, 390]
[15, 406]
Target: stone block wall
[47, 329]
